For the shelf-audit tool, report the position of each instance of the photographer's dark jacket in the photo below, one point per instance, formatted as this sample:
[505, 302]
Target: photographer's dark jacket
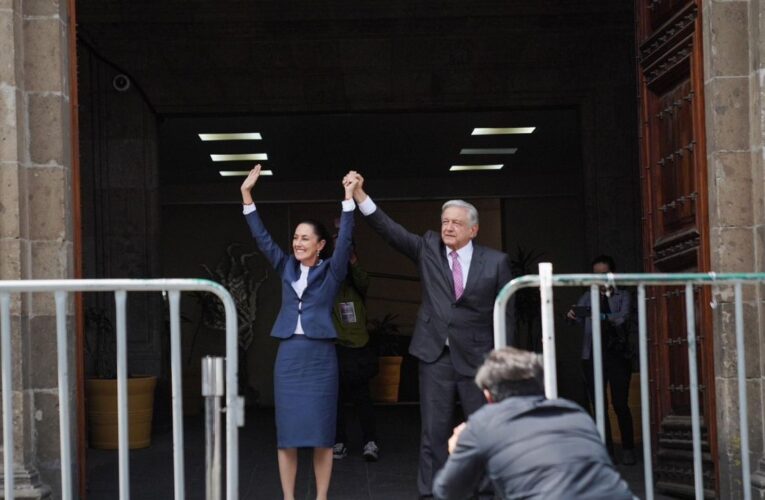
[531, 448]
[620, 303]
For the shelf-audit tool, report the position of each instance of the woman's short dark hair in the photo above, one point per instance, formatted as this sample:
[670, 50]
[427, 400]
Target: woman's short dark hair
[511, 372]
[604, 259]
[321, 232]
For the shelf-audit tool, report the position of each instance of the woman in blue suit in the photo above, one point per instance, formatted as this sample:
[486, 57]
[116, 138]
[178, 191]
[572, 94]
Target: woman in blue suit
[305, 374]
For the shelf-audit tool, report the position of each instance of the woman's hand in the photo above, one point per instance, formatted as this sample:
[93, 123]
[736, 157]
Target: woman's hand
[350, 182]
[358, 193]
[248, 184]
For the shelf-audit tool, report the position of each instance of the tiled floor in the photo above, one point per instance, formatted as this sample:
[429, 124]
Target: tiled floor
[392, 478]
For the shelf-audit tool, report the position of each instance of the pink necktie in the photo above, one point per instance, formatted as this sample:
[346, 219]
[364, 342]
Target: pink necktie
[459, 286]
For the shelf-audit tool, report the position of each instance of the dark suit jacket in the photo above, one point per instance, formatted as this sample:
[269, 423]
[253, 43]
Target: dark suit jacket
[531, 448]
[324, 281]
[467, 322]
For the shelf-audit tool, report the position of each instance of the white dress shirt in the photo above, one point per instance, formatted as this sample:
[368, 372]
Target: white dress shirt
[299, 287]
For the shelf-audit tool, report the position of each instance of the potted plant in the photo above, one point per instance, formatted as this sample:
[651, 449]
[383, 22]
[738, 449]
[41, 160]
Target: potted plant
[236, 272]
[101, 389]
[385, 339]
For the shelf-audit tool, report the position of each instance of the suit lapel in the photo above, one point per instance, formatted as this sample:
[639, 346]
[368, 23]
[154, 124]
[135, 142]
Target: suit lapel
[444, 265]
[291, 273]
[313, 273]
[476, 266]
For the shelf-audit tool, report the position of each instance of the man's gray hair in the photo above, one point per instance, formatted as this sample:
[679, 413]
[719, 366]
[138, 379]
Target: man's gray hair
[511, 372]
[471, 210]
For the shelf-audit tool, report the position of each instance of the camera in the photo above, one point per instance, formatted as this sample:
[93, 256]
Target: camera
[121, 82]
[582, 311]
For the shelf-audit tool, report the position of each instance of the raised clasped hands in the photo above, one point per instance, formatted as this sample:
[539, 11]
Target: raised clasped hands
[350, 184]
[358, 181]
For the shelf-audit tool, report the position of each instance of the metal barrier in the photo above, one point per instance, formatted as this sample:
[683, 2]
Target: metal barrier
[174, 287]
[545, 281]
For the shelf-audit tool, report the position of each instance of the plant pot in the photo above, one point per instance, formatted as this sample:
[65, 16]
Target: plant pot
[385, 385]
[102, 412]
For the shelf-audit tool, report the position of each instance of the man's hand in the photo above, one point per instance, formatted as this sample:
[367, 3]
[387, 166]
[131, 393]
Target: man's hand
[350, 182]
[248, 184]
[358, 194]
[455, 436]
[571, 314]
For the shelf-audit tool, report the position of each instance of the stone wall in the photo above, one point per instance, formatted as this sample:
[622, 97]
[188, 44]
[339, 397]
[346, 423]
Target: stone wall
[734, 67]
[35, 221]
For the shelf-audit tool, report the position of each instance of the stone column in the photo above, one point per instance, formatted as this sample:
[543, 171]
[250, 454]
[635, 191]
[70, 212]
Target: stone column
[733, 69]
[35, 221]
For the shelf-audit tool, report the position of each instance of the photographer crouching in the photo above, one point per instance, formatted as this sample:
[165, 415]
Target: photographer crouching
[526, 445]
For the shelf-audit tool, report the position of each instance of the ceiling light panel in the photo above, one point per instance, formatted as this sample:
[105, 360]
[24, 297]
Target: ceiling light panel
[242, 173]
[503, 131]
[488, 151]
[240, 157]
[239, 136]
[465, 168]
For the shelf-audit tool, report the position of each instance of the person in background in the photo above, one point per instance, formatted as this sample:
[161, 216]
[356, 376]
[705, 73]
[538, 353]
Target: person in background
[529, 447]
[615, 311]
[356, 361]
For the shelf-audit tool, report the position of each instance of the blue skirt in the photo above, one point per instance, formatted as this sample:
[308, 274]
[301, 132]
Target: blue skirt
[305, 393]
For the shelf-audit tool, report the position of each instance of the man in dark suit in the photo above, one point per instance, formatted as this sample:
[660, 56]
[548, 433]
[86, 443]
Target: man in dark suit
[529, 446]
[454, 328]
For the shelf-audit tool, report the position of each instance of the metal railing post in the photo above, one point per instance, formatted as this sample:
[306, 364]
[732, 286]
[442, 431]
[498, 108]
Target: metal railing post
[7, 384]
[644, 400]
[597, 362]
[63, 396]
[177, 393]
[548, 330]
[743, 407]
[120, 299]
[690, 319]
[213, 388]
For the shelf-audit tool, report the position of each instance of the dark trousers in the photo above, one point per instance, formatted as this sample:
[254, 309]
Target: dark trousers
[354, 388]
[440, 385]
[617, 372]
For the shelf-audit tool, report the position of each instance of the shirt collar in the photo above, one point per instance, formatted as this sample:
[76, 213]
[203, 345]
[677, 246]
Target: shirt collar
[464, 253]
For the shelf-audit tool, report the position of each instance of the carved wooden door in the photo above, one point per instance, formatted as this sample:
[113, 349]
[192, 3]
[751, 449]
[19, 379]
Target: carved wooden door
[675, 230]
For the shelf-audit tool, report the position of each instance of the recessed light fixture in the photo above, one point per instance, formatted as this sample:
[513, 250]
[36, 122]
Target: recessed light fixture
[464, 168]
[240, 157]
[488, 151]
[240, 136]
[242, 173]
[503, 131]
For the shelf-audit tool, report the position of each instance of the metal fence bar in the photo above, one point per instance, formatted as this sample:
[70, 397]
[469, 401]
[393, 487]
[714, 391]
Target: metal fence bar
[644, 400]
[743, 406]
[690, 319]
[548, 331]
[212, 390]
[641, 280]
[120, 287]
[234, 402]
[597, 361]
[7, 383]
[120, 298]
[177, 394]
[63, 396]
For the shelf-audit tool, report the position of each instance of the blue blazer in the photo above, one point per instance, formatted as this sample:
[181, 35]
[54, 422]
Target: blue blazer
[324, 281]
